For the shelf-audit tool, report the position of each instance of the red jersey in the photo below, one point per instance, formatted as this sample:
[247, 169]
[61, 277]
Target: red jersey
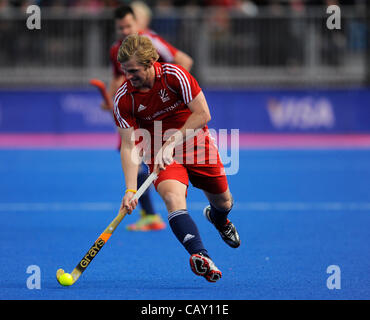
[165, 105]
[166, 51]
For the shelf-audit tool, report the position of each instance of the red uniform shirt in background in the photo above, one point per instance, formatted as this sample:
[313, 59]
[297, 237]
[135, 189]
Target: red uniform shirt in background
[166, 51]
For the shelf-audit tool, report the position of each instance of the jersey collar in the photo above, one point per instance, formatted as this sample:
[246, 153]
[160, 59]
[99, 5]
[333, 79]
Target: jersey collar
[158, 70]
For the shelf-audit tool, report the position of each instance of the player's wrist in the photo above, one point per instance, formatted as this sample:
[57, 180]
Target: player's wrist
[130, 190]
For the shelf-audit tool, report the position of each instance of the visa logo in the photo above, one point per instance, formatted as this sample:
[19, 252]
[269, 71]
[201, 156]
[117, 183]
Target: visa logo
[301, 113]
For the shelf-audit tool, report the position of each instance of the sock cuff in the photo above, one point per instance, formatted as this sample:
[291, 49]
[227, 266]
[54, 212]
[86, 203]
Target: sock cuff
[176, 213]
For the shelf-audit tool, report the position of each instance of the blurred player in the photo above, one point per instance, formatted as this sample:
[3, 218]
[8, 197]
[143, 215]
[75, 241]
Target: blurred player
[163, 95]
[127, 24]
[142, 13]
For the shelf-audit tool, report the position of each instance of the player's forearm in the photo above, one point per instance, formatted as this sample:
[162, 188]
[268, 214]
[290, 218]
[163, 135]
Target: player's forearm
[184, 60]
[130, 166]
[195, 122]
[199, 117]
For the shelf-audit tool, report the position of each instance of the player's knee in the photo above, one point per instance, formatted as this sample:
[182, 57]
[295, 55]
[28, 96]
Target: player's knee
[227, 205]
[174, 201]
[224, 203]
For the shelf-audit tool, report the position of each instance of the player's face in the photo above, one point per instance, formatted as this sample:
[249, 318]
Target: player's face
[126, 26]
[140, 77]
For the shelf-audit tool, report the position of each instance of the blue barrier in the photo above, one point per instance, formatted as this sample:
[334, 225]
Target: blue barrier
[292, 111]
[272, 111]
[53, 111]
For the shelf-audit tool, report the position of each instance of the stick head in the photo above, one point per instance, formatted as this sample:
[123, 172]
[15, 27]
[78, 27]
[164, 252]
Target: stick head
[59, 273]
[65, 279]
[98, 83]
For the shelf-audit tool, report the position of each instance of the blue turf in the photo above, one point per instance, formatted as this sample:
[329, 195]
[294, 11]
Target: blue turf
[297, 213]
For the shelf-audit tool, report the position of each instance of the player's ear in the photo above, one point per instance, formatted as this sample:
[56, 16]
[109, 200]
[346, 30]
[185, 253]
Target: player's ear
[151, 63]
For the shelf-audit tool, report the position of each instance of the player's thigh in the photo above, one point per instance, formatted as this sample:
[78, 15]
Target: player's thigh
[173, 193]
[174, 171]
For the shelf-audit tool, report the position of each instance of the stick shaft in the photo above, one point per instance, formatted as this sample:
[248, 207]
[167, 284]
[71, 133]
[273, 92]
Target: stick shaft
[145, 185]
[104, 237]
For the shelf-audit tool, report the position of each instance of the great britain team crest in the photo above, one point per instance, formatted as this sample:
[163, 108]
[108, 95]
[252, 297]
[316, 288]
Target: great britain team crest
[164, 95]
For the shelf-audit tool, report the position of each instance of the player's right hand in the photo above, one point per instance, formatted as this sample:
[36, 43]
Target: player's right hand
[164, 157]
[127, 202]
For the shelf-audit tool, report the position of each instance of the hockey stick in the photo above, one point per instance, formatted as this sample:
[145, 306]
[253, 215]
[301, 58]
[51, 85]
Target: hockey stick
[103, 91]
[103, 238]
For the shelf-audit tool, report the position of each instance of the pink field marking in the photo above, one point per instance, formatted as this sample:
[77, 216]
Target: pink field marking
[306, 141]
[246, 141]
[62, 141]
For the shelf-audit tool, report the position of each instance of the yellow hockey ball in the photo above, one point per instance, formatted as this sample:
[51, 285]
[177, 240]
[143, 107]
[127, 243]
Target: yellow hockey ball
[66, 279]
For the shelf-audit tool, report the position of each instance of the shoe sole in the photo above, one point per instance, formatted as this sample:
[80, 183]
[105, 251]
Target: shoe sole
[200, 266]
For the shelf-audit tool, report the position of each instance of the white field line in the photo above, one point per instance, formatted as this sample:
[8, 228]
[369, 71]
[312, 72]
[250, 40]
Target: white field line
[238, 206]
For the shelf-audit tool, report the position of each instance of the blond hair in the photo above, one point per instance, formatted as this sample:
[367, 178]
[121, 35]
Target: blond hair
[140, 47]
